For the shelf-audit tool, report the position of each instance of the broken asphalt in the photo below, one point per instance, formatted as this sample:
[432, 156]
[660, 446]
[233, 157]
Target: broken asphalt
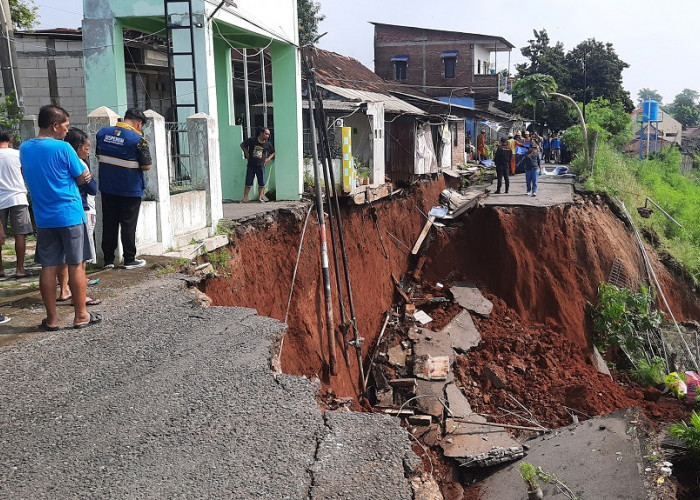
[166, 398]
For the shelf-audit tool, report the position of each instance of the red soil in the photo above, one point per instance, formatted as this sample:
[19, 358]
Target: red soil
[541, 267]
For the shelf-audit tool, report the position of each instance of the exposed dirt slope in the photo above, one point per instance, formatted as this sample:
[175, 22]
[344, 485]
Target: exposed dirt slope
[545, 264]
[262, 263]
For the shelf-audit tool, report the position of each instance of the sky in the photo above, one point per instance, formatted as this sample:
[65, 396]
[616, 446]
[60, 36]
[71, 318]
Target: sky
[658, 39]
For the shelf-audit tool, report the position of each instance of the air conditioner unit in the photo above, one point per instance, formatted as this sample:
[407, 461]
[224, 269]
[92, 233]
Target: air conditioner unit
[339, 123]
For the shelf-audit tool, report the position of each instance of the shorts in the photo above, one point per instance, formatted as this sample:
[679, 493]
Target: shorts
[19, 218]
[62, 245]
[251, 173]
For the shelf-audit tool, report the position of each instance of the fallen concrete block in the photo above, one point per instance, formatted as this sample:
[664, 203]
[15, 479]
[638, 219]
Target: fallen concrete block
[431, 367]
[434, 344]
[463, 333]
[397, 355]
[456, 401]
[600, 363]
[599, 458]
[425, 487]
[475, 445]
[430, 393]
[496, 375]
[469, 297]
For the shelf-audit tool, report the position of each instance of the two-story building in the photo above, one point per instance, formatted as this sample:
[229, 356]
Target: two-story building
[466, 69]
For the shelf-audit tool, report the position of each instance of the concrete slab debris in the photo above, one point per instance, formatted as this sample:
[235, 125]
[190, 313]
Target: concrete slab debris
[463, 332]
[457, 402]
[475, 445]
[422, 317]
[425, 487]
[469, 297]
[431, 367]
[397, 355]
[599, 458]
[434, 344]
[600, 363]
[430, 393]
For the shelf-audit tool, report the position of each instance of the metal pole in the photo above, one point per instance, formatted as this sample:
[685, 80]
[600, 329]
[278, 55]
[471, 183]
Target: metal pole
[8, 55]
[322, 227]
[358, 341]
[264, 86]
[247, 93]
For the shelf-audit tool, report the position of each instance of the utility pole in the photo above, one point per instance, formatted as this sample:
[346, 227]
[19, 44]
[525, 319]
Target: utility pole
[585, 84]
[8, 54]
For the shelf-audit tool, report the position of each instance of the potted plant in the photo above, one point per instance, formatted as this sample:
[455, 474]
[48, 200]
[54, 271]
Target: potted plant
[529, 474]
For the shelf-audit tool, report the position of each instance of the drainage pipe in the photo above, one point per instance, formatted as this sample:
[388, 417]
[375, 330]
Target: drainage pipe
[322, 226]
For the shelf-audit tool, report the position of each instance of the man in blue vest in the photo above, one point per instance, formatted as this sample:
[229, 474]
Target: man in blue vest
[124, 155]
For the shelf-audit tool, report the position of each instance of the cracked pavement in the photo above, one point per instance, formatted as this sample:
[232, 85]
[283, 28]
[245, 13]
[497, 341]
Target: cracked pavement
[165, 398]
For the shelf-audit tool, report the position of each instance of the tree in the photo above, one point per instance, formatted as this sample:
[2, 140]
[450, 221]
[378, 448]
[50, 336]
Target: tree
[23, 14]
[646, 94]
[595, 70]
[532, 88]
[309, 17]
[685, 108]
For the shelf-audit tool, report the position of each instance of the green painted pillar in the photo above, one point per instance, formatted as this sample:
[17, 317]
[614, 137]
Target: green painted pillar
[230, 136]
[286, 95]
[103, 61]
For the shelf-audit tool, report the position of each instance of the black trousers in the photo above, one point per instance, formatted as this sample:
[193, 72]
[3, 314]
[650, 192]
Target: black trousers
[119, 211]
[502, 173]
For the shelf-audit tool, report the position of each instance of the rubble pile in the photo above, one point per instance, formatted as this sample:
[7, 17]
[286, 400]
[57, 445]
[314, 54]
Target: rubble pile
[413, 372]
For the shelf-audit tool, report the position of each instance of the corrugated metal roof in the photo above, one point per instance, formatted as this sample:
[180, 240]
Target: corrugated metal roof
[391, 104]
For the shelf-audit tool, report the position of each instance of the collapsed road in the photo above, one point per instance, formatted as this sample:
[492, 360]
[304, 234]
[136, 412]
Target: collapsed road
[169, 397]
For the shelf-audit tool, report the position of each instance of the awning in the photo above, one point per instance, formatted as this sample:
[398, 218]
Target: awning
[401, 58]
[449, 53]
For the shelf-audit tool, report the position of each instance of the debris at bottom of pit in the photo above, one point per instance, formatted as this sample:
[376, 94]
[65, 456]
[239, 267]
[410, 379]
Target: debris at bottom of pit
[474, 445]
[599, 458]
[470, 297]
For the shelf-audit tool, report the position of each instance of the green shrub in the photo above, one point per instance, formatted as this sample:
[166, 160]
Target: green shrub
[649, 373]
[689, 434]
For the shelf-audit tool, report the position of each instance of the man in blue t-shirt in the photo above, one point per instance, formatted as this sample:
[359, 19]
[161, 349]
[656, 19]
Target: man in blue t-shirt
[52, 172]
[124, 156]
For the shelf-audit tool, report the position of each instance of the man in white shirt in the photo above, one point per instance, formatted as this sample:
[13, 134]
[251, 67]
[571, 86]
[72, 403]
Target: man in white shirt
[14, 206]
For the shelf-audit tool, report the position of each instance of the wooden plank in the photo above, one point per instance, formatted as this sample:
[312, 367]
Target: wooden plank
[423, 234]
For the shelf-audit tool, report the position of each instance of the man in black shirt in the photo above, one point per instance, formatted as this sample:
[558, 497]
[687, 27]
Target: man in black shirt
[502, 161]
[258, 151]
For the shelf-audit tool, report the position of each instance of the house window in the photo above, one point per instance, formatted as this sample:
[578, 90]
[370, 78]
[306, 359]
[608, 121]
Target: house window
[449, 59]
[400, 66]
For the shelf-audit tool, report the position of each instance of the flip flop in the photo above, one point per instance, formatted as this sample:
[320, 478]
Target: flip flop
[94, 319]
[45, 326]
[93, 302]
[93, 282]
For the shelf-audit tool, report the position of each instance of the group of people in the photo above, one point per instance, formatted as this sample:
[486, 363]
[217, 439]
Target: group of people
[53, 169]
[506, 156]
[554, 149]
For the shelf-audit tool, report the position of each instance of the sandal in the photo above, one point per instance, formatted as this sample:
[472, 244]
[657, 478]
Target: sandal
[45, 326]
[93, 302]
[94, 319]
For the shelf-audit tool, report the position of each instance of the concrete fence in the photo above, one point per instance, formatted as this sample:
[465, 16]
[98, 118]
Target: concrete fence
[167, 222]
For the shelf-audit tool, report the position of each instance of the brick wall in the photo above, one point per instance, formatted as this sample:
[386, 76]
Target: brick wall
[425, 67]
[51, 71]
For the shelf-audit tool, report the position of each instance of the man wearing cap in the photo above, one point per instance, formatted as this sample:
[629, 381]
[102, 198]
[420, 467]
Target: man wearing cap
[124, 156]
[502, 160]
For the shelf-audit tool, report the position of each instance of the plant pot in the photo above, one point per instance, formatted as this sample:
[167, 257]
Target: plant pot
[535, 494]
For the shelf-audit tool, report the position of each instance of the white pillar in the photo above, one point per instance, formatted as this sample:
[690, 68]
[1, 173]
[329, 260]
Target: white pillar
[376, 111]
[202, 134]
[157, 178]
[101, 117]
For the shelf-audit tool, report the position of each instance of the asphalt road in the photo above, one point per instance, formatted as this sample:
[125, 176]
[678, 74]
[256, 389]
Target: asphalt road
[166, 399]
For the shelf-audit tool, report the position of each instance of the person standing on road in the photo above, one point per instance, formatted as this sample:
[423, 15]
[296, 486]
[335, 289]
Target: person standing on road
[555, 145]
[81, 144]
[502, 160]
[52, 172]
[521, 151]
[258, 151]
[3, 318]
[14, 206]
[533, 168]
[123, 153]
[511, 145]
[481, 145]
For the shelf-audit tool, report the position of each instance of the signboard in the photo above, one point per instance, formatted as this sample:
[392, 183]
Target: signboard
[349, 177]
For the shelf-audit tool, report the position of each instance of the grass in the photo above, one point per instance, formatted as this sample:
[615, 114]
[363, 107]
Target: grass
[657, 178]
